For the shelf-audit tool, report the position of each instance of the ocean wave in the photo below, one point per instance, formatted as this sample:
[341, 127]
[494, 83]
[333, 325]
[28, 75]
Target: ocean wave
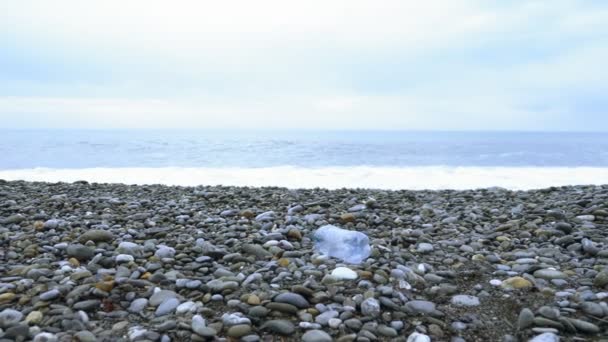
[424, 177]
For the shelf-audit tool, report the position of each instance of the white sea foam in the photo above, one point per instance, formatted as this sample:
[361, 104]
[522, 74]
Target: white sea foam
[431, 177]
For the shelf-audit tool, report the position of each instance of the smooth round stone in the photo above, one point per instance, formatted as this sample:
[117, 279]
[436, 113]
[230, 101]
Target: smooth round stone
[495, 282]
[316, 336]
[10, 317]
[370, 307]
[421, 306]
[138, 305]
[344, 273]
[186, 307]
[387, 331]
[167, 307]
[199, 326]
[96, 235]
[593, 309]
[45, 337]
[239, 330]
[217, 285]
[465, 301]
[279, 326]
[516, 283]
[418, 337]
[85, 336]
[334, 323]
[164, 252]
[130, 248]
[424, 247]
[324, 318]
[549, 274]
[124, 258]
[80, 252]
[294, 299]
[545, 337]
[34, 317]
[157, 298]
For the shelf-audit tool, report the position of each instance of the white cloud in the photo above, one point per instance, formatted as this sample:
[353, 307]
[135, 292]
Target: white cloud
[270, 63]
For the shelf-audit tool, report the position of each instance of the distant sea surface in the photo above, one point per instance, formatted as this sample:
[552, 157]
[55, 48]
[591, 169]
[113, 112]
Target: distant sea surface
[333, 159]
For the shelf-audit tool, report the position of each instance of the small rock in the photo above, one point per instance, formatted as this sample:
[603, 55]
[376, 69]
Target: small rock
[549, 274]
[292, 298]
[279, 326]
[10, 317]
[96, 235]
[344, 273]
[418, 337]
[525, 319]
[167, 306]
[370, 307]
[465, 301]
[545, 337]
[316, 336]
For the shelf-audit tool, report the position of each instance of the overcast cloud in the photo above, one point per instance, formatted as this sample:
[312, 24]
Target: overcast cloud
[352, 64]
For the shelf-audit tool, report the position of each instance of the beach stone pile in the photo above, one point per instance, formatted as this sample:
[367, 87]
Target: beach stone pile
[111, 262]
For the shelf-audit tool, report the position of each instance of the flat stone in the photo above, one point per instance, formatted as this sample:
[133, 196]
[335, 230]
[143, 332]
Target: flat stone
[167, 306]
[583, 326]
[87, 305]
[279, 326]
[50, 295]
[465, 301]
[157, 298]
[421, 306]
[80, 252]
[138, 305]
[293, 299]
[549, 274]
[96, 235]
[324, 317]
[239, 330]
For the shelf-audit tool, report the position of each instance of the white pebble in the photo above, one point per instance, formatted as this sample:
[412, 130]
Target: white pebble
[344, 273]
[495, 282]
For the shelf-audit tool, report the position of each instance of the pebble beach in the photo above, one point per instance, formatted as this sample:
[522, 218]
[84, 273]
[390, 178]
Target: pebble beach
[112, 262]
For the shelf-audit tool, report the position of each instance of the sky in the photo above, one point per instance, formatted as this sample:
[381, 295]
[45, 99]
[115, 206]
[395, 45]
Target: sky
[340, 64]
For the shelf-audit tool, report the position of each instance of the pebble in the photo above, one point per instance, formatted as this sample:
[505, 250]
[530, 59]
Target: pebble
[545, 337]
[465, 301]
[316, 336]
[421, 306]
[10, 317]
[370, 307]
[294, 299]
[344, 273]
[417, 337]
[50, 295]
[549, 274]
[167, 306]
[281, 327]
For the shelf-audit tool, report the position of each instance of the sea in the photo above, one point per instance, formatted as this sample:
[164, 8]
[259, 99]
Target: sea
[308, 159]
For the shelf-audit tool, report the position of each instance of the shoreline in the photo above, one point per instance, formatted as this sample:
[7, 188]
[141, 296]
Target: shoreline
[363, 177]
[84, 259]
